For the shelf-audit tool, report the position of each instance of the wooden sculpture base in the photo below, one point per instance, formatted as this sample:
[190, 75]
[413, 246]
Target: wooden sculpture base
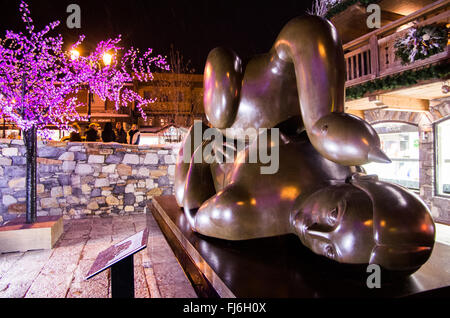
[17, 236]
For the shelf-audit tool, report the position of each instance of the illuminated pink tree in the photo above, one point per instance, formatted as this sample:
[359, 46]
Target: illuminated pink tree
[38, 80]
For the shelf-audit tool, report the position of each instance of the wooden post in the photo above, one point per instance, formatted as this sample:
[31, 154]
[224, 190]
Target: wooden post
[374, 56]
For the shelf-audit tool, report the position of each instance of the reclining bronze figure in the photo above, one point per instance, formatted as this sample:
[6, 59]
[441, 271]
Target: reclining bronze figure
[319, 191]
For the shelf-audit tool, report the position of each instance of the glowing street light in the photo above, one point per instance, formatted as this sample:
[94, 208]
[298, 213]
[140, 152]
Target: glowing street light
[74, 54]
[107, 58]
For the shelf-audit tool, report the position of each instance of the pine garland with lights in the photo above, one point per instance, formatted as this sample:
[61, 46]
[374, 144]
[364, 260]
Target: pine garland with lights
[404, 79]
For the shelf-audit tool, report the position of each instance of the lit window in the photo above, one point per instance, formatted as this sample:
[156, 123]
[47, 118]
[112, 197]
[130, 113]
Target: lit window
[443, 157]
[401, 143]
[148, 95]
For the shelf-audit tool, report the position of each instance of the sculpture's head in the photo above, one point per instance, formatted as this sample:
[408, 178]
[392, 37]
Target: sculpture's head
[343, 223]
[347, 140]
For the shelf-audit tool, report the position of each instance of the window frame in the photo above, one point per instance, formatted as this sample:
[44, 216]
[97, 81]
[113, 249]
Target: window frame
[405, 123]
[435, 157]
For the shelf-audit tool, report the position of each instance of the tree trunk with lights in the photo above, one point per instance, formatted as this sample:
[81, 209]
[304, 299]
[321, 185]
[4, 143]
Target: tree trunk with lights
[30, 138]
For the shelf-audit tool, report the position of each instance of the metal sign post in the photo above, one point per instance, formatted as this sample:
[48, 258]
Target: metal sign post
[120, 259]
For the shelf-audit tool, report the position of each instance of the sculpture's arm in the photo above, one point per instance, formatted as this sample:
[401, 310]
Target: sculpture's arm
[312, 44]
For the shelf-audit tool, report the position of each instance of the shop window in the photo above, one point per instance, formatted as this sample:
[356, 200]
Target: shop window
[401, 143]
[442, 151]
[148, 95]
[163, 122]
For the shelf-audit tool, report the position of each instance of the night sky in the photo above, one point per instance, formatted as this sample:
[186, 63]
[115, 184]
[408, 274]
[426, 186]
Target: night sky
[193, 27]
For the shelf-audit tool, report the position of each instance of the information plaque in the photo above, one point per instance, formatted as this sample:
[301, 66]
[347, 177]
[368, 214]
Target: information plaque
[120, 259]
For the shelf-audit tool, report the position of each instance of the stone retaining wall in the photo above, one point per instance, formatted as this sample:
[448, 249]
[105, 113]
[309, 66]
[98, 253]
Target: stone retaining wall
[81, 179]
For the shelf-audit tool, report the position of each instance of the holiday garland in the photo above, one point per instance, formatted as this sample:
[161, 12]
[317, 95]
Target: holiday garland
[421, 43]
[405, 79]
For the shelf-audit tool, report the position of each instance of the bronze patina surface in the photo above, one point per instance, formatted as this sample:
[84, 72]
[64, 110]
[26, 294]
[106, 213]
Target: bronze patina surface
[282, 267]
[319, 191]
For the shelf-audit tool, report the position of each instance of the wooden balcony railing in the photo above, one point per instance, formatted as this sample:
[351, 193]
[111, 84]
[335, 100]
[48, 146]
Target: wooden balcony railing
[373, 55]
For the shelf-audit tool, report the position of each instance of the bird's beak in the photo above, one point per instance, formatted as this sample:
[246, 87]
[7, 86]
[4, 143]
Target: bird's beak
[377, 155]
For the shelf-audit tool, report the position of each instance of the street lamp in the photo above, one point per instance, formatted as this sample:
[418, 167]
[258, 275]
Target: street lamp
[107, 58]
[74, 54]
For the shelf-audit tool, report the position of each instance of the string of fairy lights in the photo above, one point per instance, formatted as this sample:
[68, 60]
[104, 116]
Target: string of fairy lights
[39, 79]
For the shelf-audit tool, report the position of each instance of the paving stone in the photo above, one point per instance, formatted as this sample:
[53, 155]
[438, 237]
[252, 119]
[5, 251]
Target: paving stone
[56, 276]
[97, 287]
[60, 272]
[8, 261]
[16, 281]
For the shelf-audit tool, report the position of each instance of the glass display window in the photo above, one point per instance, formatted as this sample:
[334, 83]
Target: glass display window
[400, 142]
[442, 153]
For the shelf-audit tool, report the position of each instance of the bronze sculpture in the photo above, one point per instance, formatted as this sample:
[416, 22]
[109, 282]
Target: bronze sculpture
[319, 192]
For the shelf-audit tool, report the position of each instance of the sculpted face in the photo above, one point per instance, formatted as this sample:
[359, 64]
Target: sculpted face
[337, 222]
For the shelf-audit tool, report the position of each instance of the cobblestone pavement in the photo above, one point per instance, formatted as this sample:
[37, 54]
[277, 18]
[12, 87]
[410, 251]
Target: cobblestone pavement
[60, 272]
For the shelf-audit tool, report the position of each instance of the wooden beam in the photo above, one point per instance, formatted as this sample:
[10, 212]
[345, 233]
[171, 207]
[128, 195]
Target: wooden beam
[391, 16]
[363, 104]
[388, 102]
[358, 113]
[402, 103]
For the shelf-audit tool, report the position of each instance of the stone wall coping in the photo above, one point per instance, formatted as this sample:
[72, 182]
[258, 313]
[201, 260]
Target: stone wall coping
[90, 144]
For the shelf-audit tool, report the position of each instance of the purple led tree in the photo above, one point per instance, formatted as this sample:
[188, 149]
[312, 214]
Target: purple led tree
[38, 80]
